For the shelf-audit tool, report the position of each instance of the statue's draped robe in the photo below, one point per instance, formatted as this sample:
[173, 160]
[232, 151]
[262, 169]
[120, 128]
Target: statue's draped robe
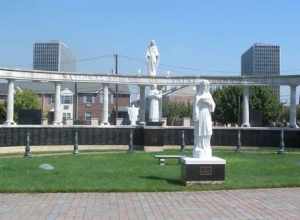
[155, 96]
[203, 106]
[152, 55]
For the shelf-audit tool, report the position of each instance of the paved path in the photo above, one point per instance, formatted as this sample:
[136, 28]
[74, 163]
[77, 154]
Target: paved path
[217, 205]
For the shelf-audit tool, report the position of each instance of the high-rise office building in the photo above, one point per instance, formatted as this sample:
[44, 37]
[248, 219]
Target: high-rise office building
[262, 60]
[53, 56]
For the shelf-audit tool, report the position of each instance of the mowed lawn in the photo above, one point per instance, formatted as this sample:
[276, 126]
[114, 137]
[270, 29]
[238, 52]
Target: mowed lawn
[139, 171]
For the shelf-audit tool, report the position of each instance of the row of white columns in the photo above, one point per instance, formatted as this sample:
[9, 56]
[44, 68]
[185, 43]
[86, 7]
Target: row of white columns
[293, 107]
[105, 110]
[57, 104]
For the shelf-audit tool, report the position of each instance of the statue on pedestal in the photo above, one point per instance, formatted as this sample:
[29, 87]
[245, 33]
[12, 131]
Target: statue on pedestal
[203, 168]
[152, 57]
[133, 113]
[203, 106]
[154, 95]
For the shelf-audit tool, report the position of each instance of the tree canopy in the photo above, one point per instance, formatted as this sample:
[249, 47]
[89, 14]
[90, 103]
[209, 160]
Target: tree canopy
[176, 111]
[26, 99]
[229, 104]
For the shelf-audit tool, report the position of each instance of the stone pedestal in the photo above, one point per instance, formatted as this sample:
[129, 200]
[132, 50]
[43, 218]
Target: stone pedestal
[94, 122]
[186, 122]
[69, 122]
[44, 121]
[119, 121]
[164, 122]
[203, 171]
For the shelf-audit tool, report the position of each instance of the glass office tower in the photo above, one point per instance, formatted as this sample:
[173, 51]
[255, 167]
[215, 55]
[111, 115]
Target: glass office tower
[53, 56]
[262, 60]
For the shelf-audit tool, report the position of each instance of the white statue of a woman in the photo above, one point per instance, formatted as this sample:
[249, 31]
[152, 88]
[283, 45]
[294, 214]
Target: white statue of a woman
[154, 95]
[152, 56]
[203, 106]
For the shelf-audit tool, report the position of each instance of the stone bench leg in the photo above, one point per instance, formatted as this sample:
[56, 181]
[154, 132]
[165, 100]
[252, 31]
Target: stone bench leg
[162, 161]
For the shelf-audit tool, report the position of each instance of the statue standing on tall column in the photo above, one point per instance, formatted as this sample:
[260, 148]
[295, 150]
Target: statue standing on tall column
[152, 56]
[203, 106]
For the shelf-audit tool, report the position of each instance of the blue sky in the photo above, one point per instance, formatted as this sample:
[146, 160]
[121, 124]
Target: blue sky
[208, 36]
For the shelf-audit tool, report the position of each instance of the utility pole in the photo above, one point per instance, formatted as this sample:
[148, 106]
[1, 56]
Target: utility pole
[75, 101]
[116, 89]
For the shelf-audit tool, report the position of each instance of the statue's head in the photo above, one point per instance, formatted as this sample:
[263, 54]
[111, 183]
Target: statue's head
[152, 43]
[203, 87]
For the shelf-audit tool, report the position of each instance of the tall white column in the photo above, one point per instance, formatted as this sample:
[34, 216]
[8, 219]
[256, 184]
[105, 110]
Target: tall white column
[105, 105]
[293, 109]
[10, 103]
[246, 122]
[57, 105]
[142, 105]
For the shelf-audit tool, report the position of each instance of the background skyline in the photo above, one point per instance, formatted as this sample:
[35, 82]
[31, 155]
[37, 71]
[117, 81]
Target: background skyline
[205, 37]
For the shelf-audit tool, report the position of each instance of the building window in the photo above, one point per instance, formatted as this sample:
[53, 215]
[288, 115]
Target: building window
[66, 116]
[88, 116]
[88, 99]
[67, 99]
[66, 107]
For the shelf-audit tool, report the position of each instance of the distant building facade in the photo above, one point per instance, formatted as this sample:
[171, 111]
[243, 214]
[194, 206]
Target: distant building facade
[262, 60]
[53, 56]
[90, 100]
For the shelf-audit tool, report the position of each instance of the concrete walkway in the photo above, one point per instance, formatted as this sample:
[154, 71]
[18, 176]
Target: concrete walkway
[217, 205]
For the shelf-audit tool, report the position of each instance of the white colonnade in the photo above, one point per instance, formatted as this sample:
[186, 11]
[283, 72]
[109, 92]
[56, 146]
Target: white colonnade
[13, 75]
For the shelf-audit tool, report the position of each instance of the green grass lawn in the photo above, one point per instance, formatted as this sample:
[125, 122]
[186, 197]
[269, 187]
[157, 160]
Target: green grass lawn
[105, 172]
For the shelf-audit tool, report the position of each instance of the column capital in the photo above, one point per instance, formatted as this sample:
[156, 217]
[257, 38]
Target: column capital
[293, 85]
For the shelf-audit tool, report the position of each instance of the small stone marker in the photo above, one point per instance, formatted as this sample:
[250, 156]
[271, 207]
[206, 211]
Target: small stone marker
[46, 166]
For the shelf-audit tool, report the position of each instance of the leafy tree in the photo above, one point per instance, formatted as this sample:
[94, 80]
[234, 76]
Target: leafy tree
[284, 116]
[2, 112]
[263, 99]
[26, 99]
[229, 104]
[175, 111]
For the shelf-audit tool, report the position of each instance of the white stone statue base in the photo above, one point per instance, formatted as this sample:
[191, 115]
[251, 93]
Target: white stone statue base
[212, 160]
[203, 171]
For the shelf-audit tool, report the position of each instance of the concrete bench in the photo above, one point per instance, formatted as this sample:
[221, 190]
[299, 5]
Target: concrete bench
[162, 158]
